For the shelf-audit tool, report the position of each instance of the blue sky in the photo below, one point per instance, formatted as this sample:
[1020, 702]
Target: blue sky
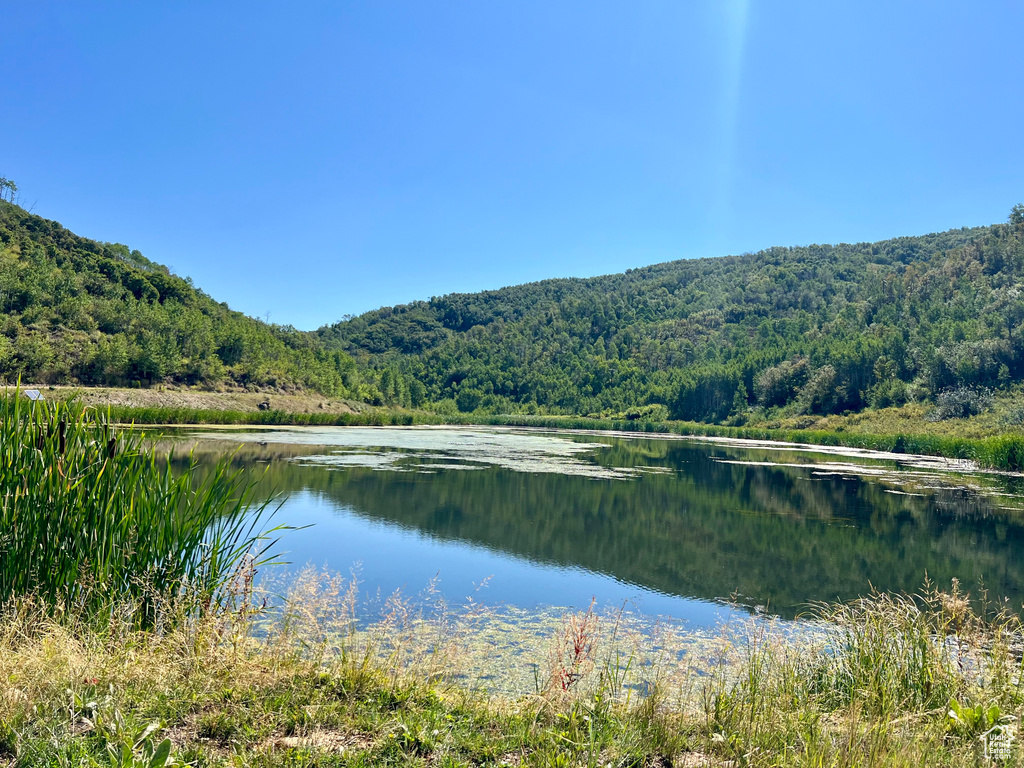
[315, 160]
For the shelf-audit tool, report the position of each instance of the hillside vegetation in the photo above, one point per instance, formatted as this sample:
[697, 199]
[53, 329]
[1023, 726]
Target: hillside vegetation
[768, 339]
[73, 310]
[816, 330]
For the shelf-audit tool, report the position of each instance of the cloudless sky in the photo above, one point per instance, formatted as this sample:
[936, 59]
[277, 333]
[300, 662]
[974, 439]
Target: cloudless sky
[312, 160]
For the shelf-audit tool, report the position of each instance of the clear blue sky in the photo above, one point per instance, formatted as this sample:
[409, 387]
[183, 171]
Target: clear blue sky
[317, 160]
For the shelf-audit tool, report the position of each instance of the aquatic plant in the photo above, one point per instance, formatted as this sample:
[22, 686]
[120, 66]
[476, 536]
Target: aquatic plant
[1002, 452]
[88, 514]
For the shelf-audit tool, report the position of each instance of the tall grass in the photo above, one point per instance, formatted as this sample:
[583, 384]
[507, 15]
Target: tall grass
[887, 680]
[89, 515]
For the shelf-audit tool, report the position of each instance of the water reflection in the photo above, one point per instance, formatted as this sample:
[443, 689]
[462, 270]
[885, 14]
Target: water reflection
[671, 521]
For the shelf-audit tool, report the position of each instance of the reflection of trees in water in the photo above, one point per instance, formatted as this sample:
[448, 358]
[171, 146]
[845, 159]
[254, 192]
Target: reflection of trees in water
[774, 535]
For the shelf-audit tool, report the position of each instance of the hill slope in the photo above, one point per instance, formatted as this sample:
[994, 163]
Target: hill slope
[73, 310]
[816, 329]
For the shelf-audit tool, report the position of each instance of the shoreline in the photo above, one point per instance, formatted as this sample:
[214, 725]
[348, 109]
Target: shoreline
[1001, 451]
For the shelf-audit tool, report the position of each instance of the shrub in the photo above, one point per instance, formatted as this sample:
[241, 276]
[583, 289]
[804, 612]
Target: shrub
[1012, 418]
[960, 403]
[889, 392]
[776, 385]
[823, 392]
[468, 400]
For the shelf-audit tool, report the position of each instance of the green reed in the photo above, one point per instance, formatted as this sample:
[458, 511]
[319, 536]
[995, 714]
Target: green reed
[89, 514]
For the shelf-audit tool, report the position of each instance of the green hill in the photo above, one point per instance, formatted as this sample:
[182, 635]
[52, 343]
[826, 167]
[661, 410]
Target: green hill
[73, 310]
[816, 329]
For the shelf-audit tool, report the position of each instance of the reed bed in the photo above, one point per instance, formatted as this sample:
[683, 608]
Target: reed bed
[89, 516]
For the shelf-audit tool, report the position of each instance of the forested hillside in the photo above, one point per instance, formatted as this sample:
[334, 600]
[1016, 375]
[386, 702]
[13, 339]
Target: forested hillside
[74, 310]
[816, 329]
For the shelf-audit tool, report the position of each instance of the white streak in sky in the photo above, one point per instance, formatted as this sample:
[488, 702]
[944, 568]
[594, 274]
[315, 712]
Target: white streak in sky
[735, 18]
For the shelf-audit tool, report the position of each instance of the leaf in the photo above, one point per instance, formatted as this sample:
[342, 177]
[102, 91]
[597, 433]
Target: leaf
[955, 713]
[163, 752]
[146, 733]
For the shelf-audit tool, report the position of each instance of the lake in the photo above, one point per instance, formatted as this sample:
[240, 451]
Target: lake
[688, 529]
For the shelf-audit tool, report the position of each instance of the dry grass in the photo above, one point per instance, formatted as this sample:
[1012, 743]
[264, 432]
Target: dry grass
[167, 396]
[307, 682]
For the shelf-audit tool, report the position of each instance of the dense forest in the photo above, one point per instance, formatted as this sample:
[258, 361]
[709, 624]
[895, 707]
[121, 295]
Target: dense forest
[816, 329]
[73, 310]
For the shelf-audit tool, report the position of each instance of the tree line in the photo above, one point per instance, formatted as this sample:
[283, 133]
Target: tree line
[818, 329]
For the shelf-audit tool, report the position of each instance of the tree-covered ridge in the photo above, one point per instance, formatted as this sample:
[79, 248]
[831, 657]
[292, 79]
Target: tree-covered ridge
[77, 310]
[820, 328]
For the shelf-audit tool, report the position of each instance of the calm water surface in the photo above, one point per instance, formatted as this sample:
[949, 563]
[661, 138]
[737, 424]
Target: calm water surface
[675, 527]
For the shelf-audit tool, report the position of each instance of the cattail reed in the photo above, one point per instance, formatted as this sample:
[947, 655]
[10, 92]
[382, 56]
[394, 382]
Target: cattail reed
[89, 514]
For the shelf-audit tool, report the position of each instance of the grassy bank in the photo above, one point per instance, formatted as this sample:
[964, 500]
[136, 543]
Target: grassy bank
[888, 681]
[375, 417]
[194, 398]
